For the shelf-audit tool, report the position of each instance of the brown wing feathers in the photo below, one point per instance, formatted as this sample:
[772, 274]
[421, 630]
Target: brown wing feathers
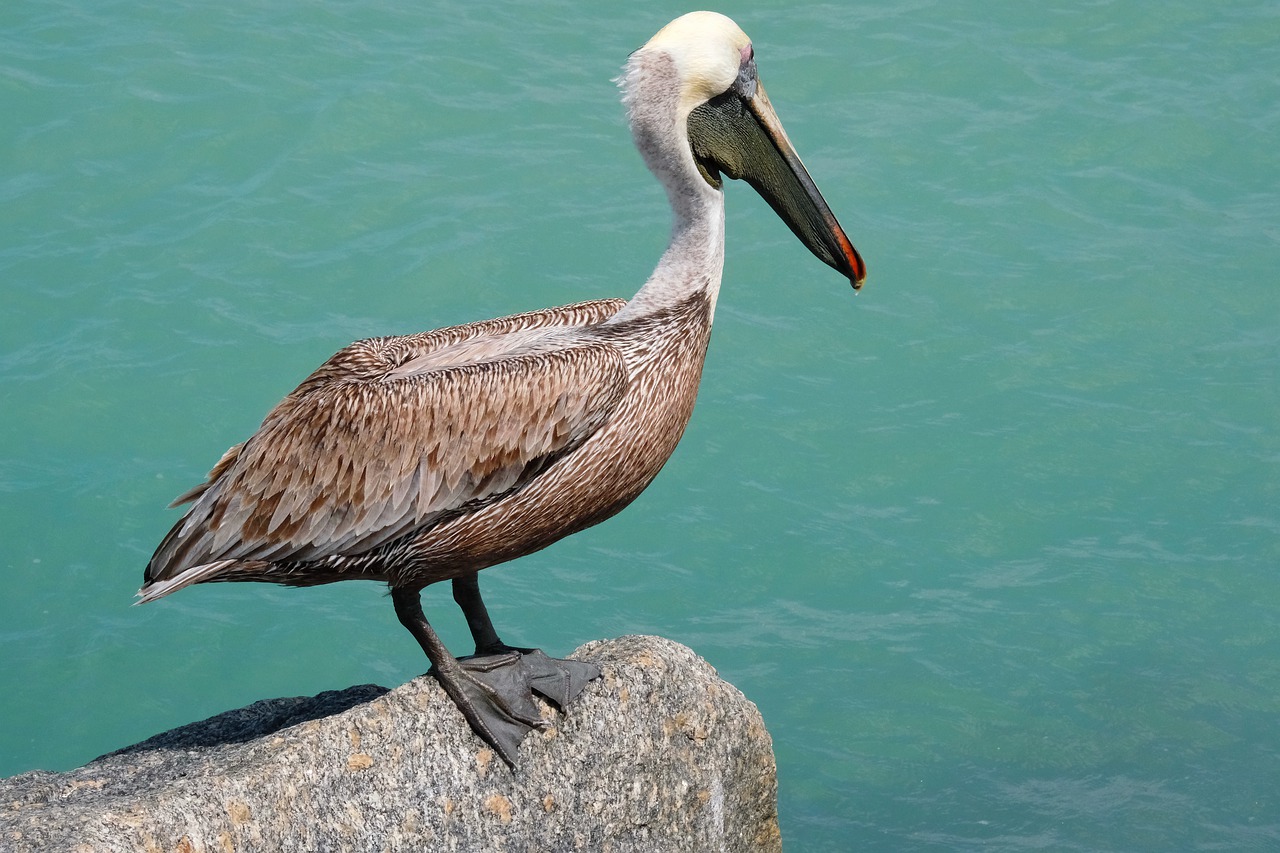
[350, 460]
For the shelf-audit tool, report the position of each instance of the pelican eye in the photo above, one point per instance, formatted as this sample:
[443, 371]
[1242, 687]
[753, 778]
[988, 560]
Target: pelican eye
[745, 84]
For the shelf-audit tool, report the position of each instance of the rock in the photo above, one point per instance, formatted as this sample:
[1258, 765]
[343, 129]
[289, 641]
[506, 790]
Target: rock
[659, 754]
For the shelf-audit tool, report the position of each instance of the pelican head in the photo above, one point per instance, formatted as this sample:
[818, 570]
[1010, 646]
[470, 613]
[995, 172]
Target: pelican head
[698, 76]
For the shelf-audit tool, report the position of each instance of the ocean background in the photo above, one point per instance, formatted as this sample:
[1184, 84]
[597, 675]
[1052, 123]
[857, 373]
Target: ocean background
[994, 545]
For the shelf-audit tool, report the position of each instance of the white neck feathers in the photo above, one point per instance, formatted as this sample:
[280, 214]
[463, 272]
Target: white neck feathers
[659, 113]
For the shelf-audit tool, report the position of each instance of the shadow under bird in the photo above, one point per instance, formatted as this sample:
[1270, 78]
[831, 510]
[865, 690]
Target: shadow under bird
[420, 458]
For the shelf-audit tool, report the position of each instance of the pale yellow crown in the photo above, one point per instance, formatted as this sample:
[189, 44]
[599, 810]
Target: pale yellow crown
[707, 48]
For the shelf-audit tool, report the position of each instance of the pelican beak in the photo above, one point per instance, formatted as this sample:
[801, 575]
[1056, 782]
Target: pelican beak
[739, 134]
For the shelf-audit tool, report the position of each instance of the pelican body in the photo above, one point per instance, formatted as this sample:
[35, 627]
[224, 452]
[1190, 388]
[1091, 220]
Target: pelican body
[421, 458]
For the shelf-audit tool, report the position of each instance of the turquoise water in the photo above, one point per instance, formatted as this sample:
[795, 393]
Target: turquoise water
[993, 545]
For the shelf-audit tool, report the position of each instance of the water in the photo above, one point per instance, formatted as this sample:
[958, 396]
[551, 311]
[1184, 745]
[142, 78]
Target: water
[992, 545]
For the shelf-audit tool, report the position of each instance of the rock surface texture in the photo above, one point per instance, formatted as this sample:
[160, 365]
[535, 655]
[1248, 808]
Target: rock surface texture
[659, 754]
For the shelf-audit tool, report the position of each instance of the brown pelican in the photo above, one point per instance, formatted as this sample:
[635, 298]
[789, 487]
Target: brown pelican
[421, 458]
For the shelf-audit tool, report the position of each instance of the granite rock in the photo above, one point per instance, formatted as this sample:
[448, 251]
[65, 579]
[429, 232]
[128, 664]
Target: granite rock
[659, 754]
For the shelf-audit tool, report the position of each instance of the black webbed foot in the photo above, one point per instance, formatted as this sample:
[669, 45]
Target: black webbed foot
[496, 700]
[554, 679]
[493, 688]
[499, 689]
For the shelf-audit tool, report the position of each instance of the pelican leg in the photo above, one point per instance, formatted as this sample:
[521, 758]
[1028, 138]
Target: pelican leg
[493, 694]
[466, 592]
[558, 680]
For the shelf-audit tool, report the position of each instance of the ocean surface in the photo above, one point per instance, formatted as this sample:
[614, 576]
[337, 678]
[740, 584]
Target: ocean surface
[994, 545]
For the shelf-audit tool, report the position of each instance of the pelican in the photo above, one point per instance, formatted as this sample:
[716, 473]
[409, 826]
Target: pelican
[415, 459]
